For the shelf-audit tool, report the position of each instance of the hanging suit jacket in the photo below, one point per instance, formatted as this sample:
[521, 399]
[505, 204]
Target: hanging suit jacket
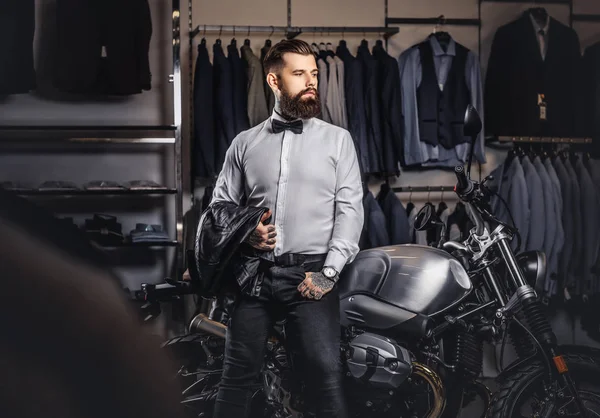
[517, 74]
[395, 216]
[590, 210]
[239, 85]
[537, 221]
[371, 99]
[224, 116]
[560, 233]
[591, 91]
[257, 101]
[576, 255]
[203, 152]
[17, 27]
[342, 91]
[390, 106]
[568, 215]
[374, 234]
[323, 88]
[355, 105]
[269, 95]
[552, 219]
[510, 183]
[334, 103]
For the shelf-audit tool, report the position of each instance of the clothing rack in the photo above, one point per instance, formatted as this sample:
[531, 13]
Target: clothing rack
[528, 1]
[441, 20]
[422, 189]
[293, 31]
[546, 140]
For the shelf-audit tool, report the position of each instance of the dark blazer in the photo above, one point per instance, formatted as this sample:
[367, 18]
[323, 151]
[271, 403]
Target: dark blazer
[203, 152]
[355, 106]
[396, 218]
[224, 117]
[591, 92]
[517, 74]
[374, 233]
[220, 238]
[17, 74]
[239, 85]
[373, 118]
[390, 107]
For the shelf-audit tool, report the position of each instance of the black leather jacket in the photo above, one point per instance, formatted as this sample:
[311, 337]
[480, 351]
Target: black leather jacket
[220, 252]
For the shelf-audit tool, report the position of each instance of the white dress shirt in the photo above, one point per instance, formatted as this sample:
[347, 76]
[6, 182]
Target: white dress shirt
[310, 181]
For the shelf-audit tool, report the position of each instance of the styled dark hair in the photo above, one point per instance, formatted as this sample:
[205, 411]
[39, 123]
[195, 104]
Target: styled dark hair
[273, 61]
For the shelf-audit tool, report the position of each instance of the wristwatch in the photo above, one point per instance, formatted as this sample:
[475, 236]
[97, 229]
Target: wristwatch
[330, 273]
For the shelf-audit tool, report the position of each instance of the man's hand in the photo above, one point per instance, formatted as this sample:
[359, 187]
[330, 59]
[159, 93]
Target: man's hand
[263, 237]
[315, 286]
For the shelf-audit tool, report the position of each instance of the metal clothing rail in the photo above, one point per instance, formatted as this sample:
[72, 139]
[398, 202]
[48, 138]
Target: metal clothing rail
[432, 21]
[87, 128]
[545, 140]
[292, 31]
[422, 189]
[528, 1]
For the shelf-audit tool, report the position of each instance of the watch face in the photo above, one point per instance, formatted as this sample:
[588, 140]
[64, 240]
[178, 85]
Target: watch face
[329, 272]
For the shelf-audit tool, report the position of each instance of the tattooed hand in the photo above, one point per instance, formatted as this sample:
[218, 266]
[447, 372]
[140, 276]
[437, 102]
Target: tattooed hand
[263, 237]
[315, 286]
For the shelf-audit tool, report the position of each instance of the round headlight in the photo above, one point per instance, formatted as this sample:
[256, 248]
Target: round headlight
[533, 266]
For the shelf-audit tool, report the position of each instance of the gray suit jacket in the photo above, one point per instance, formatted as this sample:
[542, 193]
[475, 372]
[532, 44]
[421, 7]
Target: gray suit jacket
[334, 104]
[590, 223]
[551, 217]
[537, 221]
[342, 91]
[568, 217]
[560, 232]
[512, 187]
[257, 101]
[323, 86]
[576, 255]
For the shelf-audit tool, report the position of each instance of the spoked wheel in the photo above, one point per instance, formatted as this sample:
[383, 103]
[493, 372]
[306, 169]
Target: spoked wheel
[526, 392]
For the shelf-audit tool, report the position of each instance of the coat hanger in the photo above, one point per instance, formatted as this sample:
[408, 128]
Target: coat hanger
[268, 40]
[203, 41]
[410, 206]
[247, 40]
[383, 191]
[233, 40]
[218, 42]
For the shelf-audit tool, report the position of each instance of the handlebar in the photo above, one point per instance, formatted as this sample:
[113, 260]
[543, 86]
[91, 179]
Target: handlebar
[468, 192]
[464, 187]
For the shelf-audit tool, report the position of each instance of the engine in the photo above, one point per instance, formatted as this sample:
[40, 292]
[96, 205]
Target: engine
[378, 361]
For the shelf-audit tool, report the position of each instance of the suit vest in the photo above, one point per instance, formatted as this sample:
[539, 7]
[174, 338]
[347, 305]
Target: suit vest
[442, 113]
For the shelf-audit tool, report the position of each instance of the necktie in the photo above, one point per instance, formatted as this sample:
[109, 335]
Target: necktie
[542, 41]
[280, 126]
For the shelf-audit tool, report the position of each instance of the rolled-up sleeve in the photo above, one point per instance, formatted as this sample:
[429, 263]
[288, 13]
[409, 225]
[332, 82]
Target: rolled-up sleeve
[349, 212]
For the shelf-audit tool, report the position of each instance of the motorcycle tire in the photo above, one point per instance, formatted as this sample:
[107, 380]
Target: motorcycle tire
[514, 387]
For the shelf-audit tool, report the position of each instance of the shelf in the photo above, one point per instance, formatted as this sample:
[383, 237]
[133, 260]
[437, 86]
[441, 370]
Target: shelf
[138, 244]
[585, 18]
[70, 128]
[432, 21]
[292, 31]
[124, 192]
[548, 139]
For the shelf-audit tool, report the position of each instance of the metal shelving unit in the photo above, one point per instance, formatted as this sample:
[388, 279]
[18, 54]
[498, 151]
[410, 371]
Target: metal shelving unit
[26, 135]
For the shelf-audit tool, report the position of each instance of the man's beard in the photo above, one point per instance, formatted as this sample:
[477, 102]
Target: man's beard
[297, 107]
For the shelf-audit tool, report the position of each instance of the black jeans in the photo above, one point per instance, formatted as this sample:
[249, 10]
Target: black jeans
[312, 334]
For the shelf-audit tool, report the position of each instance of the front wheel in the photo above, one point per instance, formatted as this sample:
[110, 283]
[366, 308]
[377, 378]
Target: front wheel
[522, 393]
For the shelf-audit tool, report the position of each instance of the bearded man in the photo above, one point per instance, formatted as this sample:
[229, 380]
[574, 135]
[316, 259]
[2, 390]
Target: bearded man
[306, 172]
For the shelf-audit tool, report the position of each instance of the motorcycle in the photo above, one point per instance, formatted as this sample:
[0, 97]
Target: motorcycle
[414, 320]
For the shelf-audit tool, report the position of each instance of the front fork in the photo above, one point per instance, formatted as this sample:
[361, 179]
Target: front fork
[538, 324]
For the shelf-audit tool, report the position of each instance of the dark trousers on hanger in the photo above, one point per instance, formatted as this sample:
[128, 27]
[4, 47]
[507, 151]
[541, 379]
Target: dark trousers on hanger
[17, 27]
[103, 46]
[312, 333]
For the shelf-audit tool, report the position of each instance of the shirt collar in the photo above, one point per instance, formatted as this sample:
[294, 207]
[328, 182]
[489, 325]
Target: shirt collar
[537, 27]
[438, 50]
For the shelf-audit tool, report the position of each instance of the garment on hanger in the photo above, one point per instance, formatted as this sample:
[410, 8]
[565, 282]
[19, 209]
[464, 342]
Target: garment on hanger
[17, 27]
[102, 46]
[415, 69]
[257, 101]
[568, 220]
[559, 242]
[239, 86]
[223, 106]
[395, 216]
[373, 116]
[353, 82]
[551, 217]
[591, 96]
[537, 222]
[374, 233]
[390, 106]
[269, 95]
[323, 87]
[334, 103]
[518, 73]
[343, 123]
[203, 147]
[574, 274]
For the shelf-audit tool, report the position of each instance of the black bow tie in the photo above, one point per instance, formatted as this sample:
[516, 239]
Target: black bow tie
[280, 126]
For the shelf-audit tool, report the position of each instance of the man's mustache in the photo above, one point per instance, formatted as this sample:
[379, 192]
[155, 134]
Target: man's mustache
[309, 90]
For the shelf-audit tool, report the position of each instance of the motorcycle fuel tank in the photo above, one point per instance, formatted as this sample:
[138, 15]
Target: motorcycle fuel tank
[390, 285]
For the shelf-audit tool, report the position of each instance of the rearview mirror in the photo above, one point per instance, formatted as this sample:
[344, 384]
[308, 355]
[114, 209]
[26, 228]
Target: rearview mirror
[473, 124]
[426, 218]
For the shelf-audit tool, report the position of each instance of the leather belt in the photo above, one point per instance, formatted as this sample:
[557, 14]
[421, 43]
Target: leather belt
[294, 259]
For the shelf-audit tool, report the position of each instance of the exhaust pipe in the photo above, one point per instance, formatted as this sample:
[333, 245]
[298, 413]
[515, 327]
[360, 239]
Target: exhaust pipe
[202, 324]
[434, 381]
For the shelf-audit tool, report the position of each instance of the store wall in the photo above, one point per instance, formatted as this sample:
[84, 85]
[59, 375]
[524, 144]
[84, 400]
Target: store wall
[360, 13]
